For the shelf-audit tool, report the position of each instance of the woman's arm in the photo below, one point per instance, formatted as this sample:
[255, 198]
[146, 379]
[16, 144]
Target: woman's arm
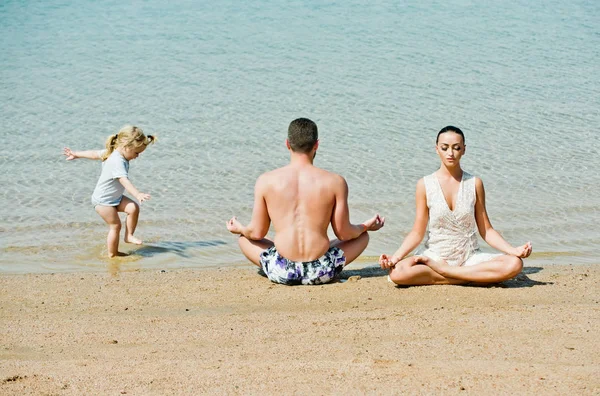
[487, 232]
[415, 236]
[88, 154]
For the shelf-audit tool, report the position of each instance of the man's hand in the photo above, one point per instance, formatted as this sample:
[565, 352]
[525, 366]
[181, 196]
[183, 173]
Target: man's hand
[375, 223]
[69, 154]
[234, 226]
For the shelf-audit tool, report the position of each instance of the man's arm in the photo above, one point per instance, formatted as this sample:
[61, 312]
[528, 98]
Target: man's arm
[340, 219]
[259, 224]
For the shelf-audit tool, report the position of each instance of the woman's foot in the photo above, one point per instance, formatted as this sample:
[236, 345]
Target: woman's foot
[437, 266]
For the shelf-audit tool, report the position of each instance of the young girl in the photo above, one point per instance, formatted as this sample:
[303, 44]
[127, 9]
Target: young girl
[108, 198]
[453, 203]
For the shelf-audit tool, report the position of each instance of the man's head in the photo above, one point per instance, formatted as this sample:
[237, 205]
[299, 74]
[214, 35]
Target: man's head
[302, 135]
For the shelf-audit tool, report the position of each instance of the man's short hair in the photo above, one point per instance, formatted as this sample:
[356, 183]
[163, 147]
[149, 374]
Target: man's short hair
[302, 135]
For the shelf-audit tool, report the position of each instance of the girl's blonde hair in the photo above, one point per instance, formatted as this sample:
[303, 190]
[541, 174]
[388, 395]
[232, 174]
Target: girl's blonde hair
[128, 136]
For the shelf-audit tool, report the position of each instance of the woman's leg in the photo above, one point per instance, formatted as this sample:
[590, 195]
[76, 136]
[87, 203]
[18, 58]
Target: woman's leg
[412, 272]
[497, 270]
[132, 209]
[110, 215]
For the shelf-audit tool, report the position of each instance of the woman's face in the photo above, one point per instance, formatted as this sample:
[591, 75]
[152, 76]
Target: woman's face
[450, 148]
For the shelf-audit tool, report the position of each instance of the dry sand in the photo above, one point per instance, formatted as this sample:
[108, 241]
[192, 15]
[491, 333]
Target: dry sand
[231, 331]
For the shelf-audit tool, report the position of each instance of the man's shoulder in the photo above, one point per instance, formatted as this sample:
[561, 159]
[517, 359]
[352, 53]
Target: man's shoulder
[332, 182]
[279, 174]
[270, 175]
[325, 173]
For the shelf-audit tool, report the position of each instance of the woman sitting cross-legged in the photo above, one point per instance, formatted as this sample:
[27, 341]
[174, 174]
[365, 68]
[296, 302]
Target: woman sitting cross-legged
[453, 203]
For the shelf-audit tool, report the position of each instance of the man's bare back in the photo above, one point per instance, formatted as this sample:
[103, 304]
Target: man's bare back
[302, 200]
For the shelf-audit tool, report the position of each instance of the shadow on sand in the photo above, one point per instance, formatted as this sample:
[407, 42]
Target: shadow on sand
[179, 248]
[521, 280]
[365, 272]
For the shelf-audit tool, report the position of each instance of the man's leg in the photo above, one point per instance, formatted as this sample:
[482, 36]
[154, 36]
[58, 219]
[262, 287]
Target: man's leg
[253, 249]
[352, 248]
[412, 272]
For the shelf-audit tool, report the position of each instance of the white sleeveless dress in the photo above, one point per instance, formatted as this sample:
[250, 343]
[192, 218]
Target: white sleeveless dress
[452, 234]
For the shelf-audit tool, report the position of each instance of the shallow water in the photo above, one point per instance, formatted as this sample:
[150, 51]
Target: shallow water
[219, 87]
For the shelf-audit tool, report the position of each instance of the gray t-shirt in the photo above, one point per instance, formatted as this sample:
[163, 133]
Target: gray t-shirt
[109, 191]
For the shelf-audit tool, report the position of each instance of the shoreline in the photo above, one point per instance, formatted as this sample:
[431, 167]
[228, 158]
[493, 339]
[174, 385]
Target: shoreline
[230, 330]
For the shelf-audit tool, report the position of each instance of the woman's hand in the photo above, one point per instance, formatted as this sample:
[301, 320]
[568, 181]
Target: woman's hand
[387, 262]
[523, 251]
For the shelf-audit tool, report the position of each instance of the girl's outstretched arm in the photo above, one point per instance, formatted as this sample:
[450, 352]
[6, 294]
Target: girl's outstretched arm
[415, 236]
[140, 196]
[488, 233]
[89, 154]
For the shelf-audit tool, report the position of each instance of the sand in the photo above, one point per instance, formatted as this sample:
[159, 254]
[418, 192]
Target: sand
[231, 331]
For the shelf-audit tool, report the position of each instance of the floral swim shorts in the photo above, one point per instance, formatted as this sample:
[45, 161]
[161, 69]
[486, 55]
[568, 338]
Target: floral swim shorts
[316, 272]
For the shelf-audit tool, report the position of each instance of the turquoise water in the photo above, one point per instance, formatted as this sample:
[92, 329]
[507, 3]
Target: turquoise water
[220, 82]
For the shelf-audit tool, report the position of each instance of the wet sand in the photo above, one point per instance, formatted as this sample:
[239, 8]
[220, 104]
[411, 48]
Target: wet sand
[231, 331]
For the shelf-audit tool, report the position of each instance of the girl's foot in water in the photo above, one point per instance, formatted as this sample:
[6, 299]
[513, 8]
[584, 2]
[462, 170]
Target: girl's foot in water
[132, 239]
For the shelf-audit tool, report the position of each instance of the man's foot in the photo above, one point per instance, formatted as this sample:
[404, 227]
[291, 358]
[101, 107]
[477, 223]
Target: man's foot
[132, 239]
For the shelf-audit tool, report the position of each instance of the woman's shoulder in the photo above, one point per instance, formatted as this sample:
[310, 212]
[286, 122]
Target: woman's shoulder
[428, 177]
[469, 177]
[474, 180]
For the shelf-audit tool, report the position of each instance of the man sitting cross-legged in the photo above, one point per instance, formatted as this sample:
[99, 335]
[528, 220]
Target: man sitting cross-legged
[302, 200]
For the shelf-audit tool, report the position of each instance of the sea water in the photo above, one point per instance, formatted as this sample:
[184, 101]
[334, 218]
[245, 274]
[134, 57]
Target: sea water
[219, 82]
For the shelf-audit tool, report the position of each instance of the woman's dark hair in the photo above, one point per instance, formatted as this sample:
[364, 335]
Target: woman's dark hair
[450, 128]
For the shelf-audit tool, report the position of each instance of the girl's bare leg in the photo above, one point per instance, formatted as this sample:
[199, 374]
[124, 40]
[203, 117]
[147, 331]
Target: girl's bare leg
[133, 212]
[493, 271]
[110, 215]
[412, 272]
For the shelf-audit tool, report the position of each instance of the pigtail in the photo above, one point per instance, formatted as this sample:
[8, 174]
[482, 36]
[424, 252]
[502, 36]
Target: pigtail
[111, 144]
[128, 136]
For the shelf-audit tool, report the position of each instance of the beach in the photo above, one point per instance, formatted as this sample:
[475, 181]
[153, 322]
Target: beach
[231, 331]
